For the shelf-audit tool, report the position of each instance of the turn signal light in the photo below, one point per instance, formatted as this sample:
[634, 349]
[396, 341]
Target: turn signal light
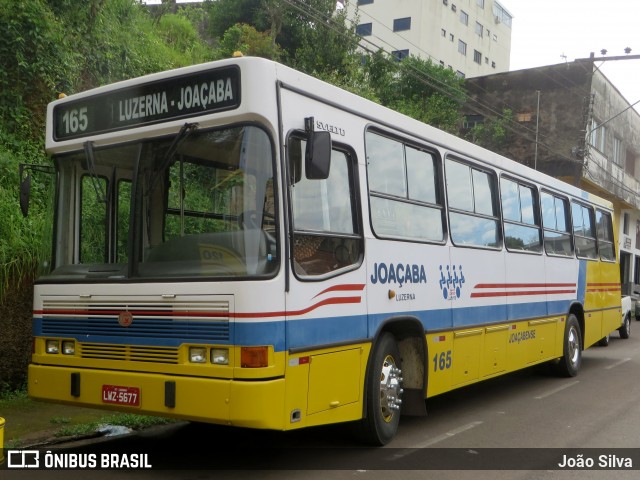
[254, 357]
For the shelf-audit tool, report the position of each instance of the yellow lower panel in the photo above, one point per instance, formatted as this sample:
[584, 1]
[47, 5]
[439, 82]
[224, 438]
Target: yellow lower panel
[462, 357]
[256, 404]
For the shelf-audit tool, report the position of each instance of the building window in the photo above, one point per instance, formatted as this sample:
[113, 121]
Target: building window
[453, 7]
[477, 57]
[445, 2]
[443, 32]
[625, 223]
[365, 2]
[364, 29]
[598, 135]
[617, 152]
[464, 17]
[400, 54]
[480, 3]
[451, 37]
[401, 24]
[493, 64]
[501, 15]
[524, 116]
[462, 47]
[479, 29]
[471, 121]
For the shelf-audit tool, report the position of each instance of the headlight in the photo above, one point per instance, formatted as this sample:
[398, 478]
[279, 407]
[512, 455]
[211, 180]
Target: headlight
[68, 347]
[197, 354]
[220, 356]
[53, 346]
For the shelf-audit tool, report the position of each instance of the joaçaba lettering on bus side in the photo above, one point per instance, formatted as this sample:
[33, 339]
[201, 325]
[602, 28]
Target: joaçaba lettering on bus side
[400, 273]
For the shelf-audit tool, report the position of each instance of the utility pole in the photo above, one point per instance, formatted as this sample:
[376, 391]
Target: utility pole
[535, 158]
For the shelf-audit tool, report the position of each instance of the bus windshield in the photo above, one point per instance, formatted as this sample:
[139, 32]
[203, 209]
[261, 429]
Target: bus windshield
[198, 204]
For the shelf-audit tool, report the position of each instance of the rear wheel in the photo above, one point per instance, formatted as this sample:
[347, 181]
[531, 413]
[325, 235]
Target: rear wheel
[625, 329]
[569, 364]
[384, 392]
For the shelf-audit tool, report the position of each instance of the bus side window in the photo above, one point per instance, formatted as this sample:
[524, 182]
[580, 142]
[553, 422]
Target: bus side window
[521, 219]
[557, 229]
[326, 233]
[604, 229]
[403, 191]
[473, 217]
[584, 231]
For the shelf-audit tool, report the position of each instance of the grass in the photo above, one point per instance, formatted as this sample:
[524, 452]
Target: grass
[129, 420]
[13, 397]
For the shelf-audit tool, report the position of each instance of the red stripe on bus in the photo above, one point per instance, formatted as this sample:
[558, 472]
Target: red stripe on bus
[166, 313]
[517, 294]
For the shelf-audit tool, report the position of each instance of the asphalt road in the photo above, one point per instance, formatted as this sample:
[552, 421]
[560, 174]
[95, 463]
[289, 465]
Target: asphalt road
[537, 416]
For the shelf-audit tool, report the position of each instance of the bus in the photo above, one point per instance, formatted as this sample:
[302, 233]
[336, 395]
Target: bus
[242, 244]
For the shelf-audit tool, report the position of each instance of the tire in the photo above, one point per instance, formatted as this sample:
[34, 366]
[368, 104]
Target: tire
[384, 391]
[604, 341]
[569, 364]
[625, 329]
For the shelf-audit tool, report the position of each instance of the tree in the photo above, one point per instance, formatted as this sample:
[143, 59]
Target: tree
[327, 43]
[246, 39]
[492, 133]
[416, 87]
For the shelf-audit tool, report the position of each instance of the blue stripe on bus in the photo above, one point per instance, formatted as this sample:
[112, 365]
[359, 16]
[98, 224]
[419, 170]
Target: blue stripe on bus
[582, 281]
[307, 333]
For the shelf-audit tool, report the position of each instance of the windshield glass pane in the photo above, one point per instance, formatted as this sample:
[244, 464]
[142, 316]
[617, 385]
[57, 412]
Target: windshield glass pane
[200, 204]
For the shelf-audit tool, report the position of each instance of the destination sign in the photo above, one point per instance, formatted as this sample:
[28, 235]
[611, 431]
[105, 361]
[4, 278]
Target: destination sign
[169, 99]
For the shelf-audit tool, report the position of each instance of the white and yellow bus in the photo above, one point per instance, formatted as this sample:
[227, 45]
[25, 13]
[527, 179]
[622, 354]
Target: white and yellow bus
[242, 244]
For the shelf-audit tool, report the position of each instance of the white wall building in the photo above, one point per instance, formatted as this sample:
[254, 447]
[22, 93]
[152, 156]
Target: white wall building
[473, 37]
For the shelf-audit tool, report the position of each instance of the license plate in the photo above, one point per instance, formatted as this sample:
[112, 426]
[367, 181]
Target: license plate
[118, 395]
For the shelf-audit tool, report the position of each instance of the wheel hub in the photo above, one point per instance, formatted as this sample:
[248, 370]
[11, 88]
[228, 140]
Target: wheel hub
[390, 388]
[573, 346]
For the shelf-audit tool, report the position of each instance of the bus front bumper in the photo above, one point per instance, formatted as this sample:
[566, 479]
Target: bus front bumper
[253, 404]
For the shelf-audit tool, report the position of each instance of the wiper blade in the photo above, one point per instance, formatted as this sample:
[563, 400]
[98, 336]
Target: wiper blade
[184, 133]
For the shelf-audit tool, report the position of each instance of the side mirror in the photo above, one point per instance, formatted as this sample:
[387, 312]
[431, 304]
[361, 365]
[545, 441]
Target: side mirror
[25, 183]
[318, 152]
[25, 192]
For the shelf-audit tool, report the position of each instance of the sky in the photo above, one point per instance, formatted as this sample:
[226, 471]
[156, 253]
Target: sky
[544, 31]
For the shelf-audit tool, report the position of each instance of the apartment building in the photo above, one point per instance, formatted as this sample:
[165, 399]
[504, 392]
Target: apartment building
[472, 37]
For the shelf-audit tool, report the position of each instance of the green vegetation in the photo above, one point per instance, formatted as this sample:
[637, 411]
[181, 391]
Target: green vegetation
[13, 397]
[129, 420]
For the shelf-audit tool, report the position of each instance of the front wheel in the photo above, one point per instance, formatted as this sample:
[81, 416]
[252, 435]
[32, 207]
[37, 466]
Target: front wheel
[569, 364]
[625, 329]
[384, 392]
